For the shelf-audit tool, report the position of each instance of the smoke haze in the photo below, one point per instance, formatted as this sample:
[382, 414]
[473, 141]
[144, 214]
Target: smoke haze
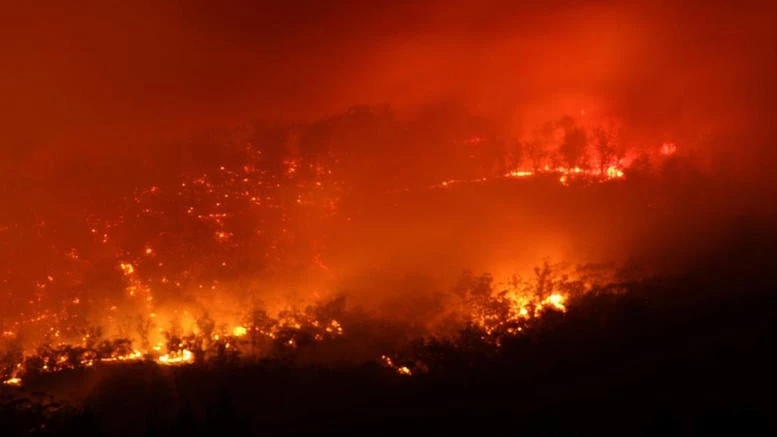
[100, 99]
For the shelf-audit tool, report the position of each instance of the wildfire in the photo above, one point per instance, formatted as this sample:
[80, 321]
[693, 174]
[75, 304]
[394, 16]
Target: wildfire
[13, 381]
[401, 370]
[127, 268]
[190, 235]
[497, 313]
[554, 300]
[519, 174]
[133, 356]
[614, 172]
[565, 175]
[184, 356]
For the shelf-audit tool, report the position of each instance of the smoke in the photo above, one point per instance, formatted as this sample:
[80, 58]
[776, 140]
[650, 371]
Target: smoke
[102, 101]
[101, 82]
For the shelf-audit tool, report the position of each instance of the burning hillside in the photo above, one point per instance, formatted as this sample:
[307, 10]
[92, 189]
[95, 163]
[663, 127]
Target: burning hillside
[235, 260]
[408, 193]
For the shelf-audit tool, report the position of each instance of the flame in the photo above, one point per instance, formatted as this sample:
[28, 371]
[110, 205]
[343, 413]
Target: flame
[13, 381]
[565, 175]
[401, 370]
[185, 356]
[613, 172]
[555, 300]
[520, 304]
[127, 268]
[519, 173]
[134, 356]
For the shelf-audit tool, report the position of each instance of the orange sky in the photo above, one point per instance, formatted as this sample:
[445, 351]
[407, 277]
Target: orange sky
[89, 78]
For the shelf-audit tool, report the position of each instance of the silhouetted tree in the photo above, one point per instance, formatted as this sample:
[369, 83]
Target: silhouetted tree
[544, 281]
[535, 151]
[515, 154]
[9, 359]
[260, 324]
[143, 326]
[573, 147]
[605, 150]
[206, 325]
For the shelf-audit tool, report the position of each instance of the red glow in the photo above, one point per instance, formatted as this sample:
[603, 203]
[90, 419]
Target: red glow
[217, 180]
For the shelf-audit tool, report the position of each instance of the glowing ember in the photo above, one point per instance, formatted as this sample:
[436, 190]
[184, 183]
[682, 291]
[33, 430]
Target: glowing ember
[239, 331]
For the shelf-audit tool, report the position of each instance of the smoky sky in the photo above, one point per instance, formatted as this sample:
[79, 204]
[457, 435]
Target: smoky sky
[94, 93]
[95, 80]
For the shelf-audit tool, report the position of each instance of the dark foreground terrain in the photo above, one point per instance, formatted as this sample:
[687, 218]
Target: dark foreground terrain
[682, 354]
